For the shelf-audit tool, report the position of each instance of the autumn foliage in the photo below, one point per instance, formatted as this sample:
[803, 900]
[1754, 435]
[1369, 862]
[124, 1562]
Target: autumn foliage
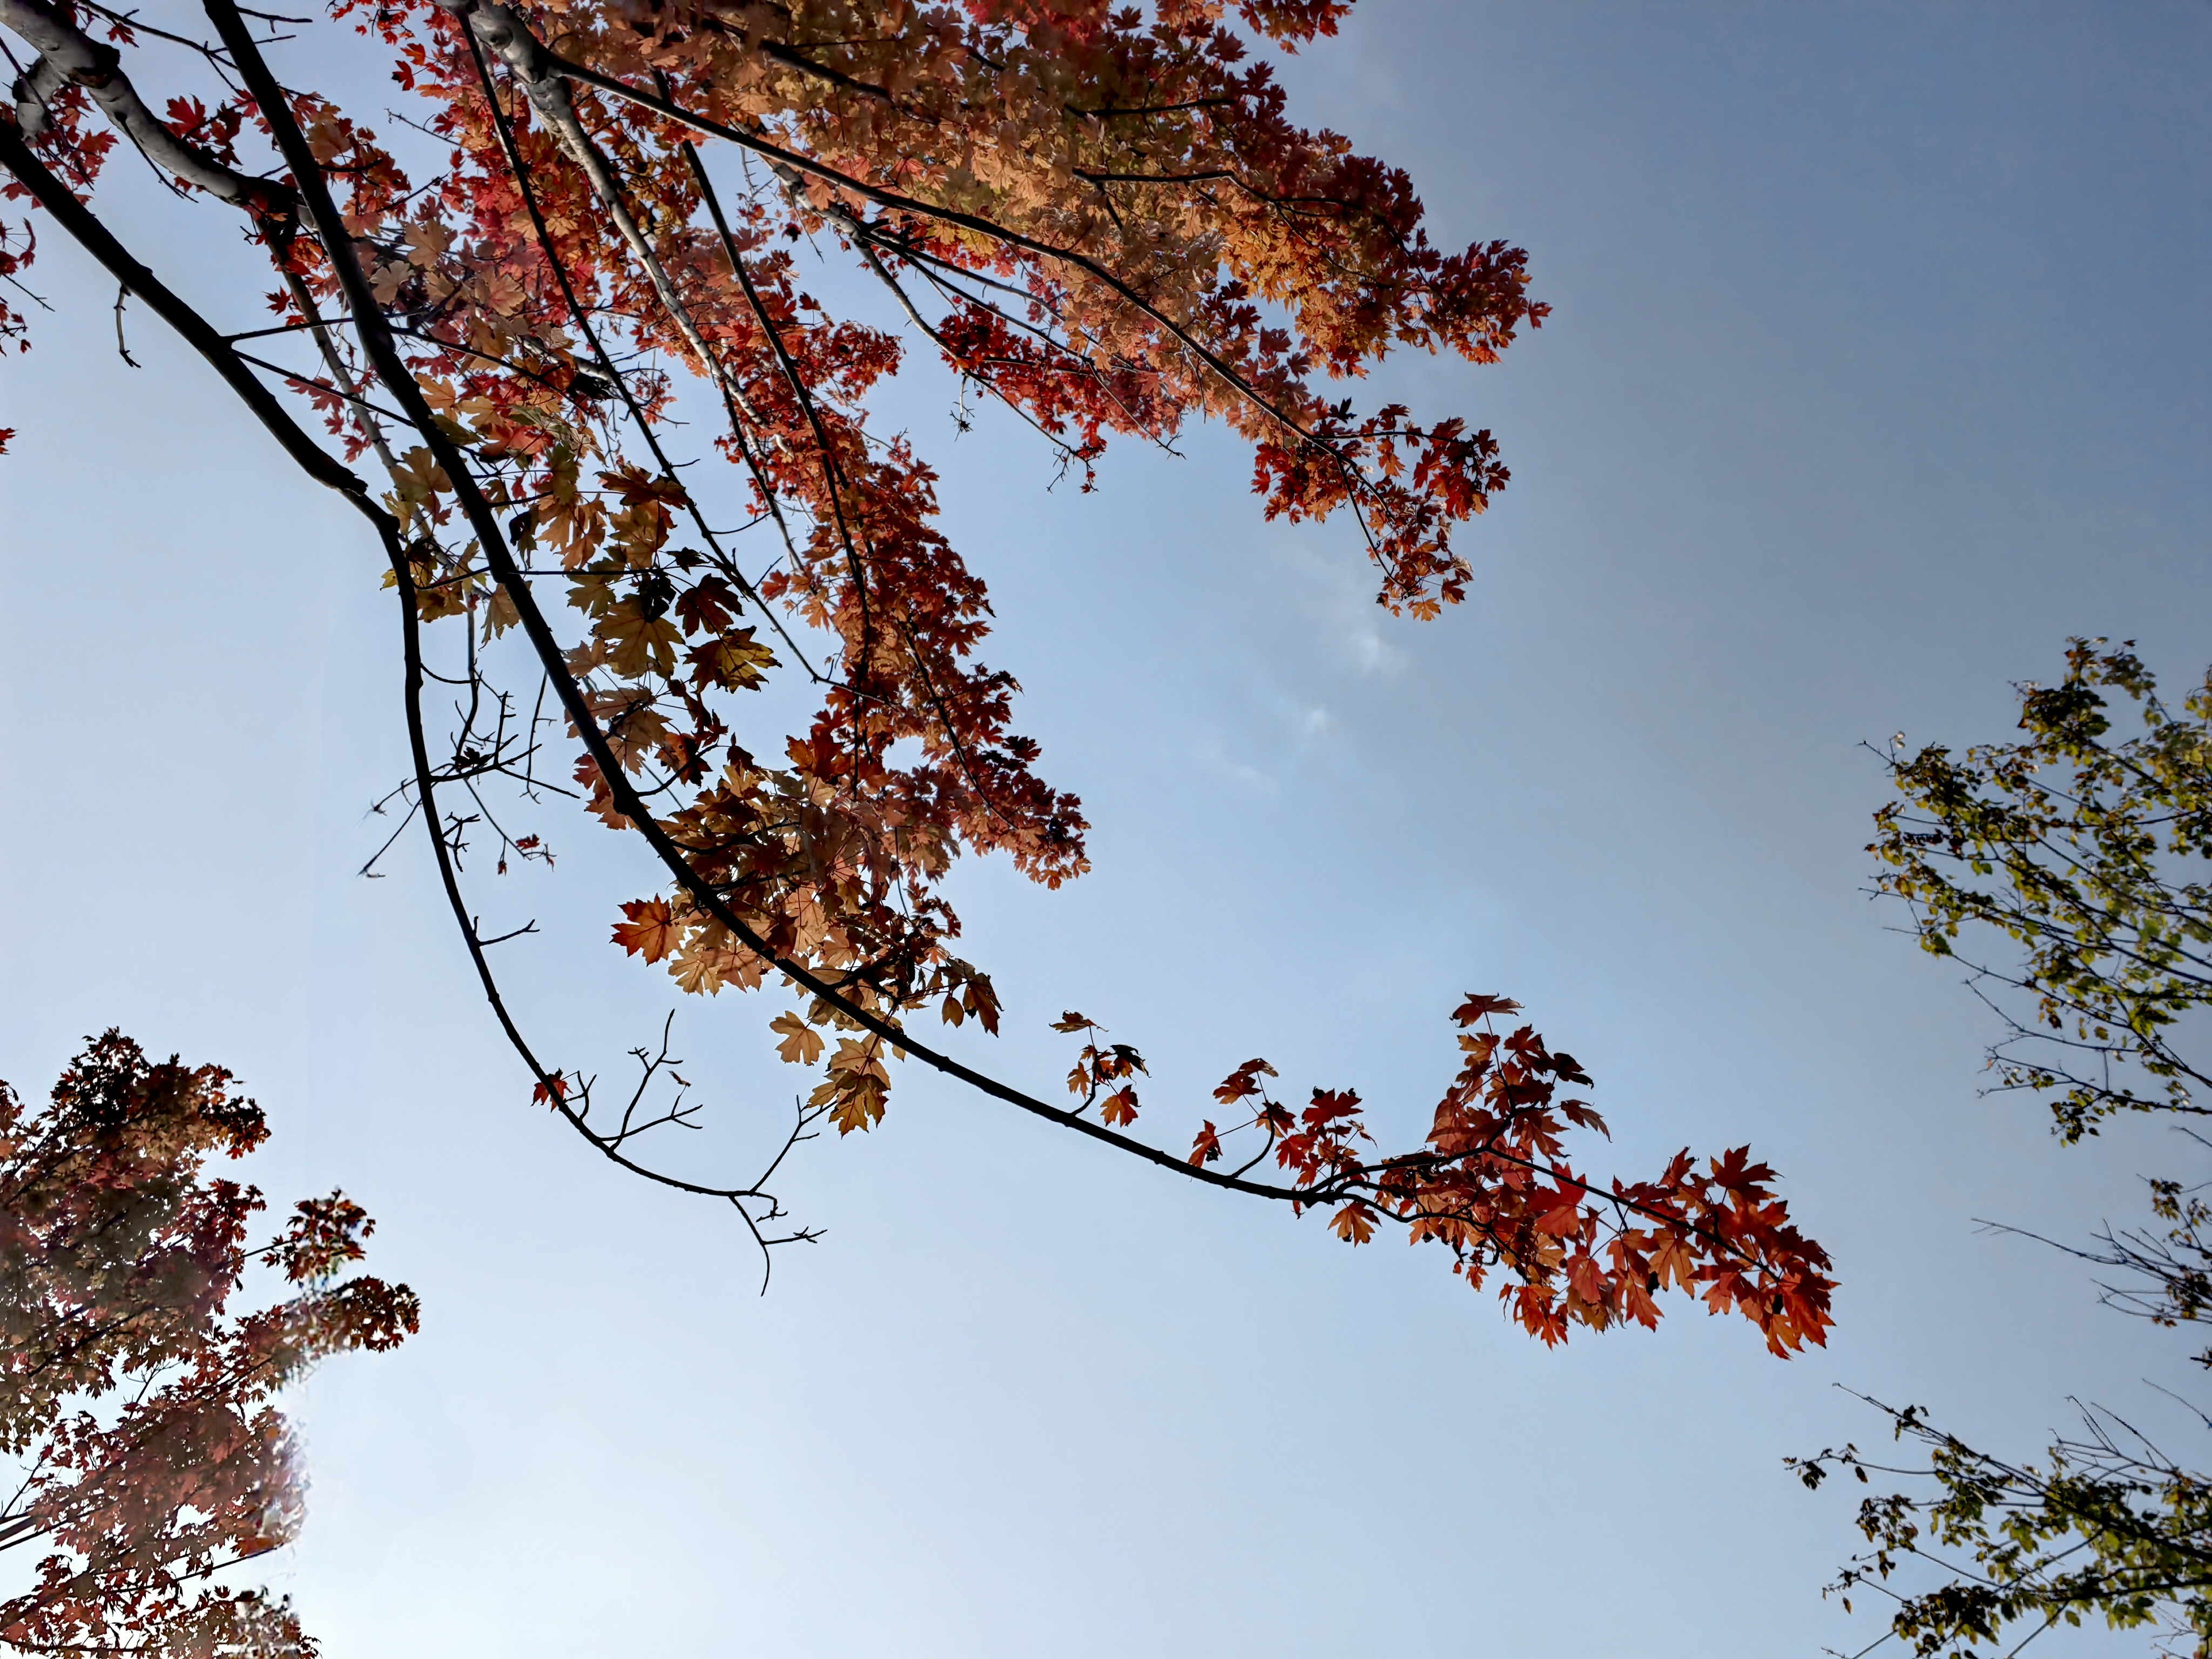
[1492, 1183]
[595, 218]
[135, 1395]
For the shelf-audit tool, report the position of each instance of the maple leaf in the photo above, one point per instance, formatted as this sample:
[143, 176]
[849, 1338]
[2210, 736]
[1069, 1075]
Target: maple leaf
[1478, 1006]
[857, 1087]
[1354, 1223]
[639, 643]
[1205, 1145]
[802, 1043]
[500, 614]
[416, 481]
[981, 998]
[1242, 1082]
[637, 488]
[651, 930]
[736, 660]
[1563, 1220]
[1332, 1106]
[706, 606]
[1579, 1113]
[857, 1108]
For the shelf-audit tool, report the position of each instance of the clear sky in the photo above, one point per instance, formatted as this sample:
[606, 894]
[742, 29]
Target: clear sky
[1879, 365]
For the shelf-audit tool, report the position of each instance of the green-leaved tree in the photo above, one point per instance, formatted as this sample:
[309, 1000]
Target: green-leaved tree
[2076, 853]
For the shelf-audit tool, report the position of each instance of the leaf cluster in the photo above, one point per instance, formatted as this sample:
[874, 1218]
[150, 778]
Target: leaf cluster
[2085, 843]
[136, 1400]
[2108, 1527]
[1493, 1184]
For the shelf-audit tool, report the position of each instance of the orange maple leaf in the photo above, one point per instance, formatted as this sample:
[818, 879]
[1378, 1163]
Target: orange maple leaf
[650, 932]
[1354, 1223]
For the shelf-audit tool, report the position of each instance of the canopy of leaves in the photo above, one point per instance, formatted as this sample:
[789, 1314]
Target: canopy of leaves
[136, 1399]
[1102, 218]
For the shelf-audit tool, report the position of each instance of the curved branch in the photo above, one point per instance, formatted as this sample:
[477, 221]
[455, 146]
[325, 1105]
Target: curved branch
[380, 346]
[52, 194]
[1353, 1180]
[377, 339]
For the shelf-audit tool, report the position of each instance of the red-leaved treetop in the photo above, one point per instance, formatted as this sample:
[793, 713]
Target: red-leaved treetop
[1105, 219]
[135, 1399]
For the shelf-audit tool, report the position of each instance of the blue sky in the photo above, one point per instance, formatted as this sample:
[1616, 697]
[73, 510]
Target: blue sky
[1878, 368]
